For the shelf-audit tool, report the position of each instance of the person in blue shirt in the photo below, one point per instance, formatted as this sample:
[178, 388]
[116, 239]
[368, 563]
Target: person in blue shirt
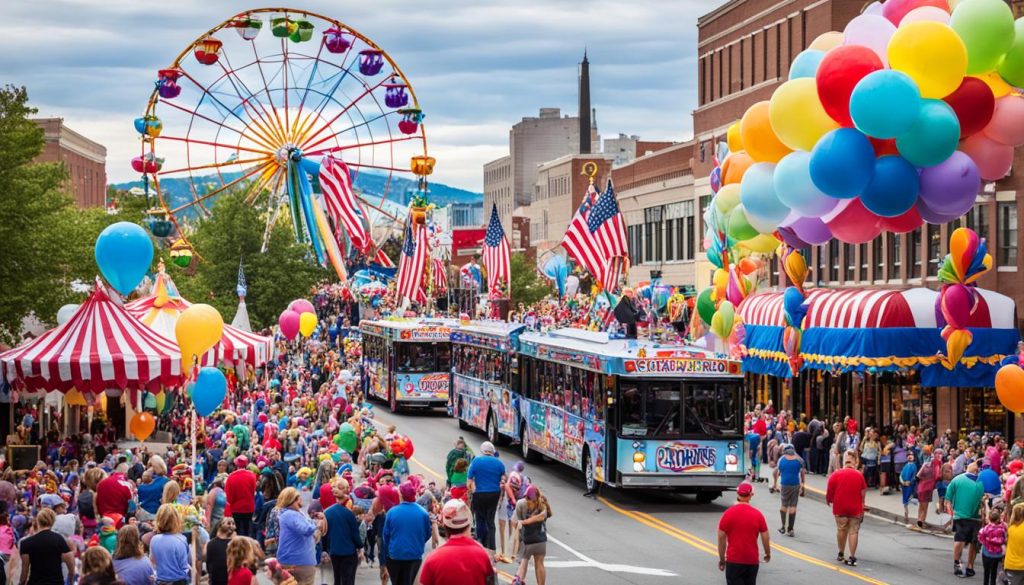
[486, 481]
[990, 480]
[343, 542]
[789, 475]
[151, 493]
[296, 541]
[908, 481]
[407, 528]
[168, 549]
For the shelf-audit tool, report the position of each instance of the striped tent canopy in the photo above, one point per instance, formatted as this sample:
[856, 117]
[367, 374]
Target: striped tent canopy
[101, 347]
[874, 330]
[161, 308]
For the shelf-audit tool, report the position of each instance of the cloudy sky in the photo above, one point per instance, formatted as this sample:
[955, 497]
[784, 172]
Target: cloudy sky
[478, 66]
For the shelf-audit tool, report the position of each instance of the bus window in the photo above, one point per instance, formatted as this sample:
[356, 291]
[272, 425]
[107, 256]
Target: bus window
[631, 405]
[415, 357]
[712, 409]
[650, 409]
[444, 357]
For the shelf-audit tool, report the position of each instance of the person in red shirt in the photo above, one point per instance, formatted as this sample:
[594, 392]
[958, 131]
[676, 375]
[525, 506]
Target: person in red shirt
[845, 493]
[738, 530]
[460, 560]
[242, 553]
[240, 491]
[114, 493]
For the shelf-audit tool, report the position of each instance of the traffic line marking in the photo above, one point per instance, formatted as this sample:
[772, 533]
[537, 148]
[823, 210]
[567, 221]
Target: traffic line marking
[704, 545]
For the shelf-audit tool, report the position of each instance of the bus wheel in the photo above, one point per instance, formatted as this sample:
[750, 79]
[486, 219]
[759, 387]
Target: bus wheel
[588, 472]
[708, 496]
[528, 454]
[492, 430]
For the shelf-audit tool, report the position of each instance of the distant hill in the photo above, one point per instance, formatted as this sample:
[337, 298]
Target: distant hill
[371, 184]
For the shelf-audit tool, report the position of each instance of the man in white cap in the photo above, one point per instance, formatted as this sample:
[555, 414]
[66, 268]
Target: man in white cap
[738, 532]
[486, 477]
[460, 560]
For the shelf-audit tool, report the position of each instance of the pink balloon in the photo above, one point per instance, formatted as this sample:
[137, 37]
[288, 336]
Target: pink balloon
[957, 301]
[872, 31]
[927, 13]
[852, 223]
[289, 322]
[301, 306]
[902, 224]
[895, 10]
[1007, 124]
[994, 159]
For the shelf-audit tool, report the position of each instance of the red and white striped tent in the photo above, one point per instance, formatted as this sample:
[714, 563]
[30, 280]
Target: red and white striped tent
[161, 308]
[101, 347]
[873, 308]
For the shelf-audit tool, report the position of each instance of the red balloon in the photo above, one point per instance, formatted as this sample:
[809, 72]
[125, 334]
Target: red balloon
[837, 75]
[956, 302]
[852, 223]
[884, 146]
[902, 224]
[895, 10]
[974, 105]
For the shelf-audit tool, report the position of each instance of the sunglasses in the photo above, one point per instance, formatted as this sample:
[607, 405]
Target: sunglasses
[388, 480]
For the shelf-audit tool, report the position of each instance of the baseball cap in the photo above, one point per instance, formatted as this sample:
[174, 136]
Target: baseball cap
[51, 500]
[241, 461]
[745, 489]
[789, 449]
[407, 491]
[487, 448]
[456, 515]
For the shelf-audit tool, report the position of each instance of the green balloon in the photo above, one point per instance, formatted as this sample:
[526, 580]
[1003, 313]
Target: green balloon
[739, 228]
[1012, 65]
[706, 306]
[986, 28]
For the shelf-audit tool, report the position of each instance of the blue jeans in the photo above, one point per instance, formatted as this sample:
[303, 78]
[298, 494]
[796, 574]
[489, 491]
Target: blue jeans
[485, 506]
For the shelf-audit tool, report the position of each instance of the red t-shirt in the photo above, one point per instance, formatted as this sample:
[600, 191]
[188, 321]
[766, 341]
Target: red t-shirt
[113, 495]
[845, 487]
[460, 560]
[327, 496]
[240, 576]
[240, 491]
[743, 525]
[760, 427]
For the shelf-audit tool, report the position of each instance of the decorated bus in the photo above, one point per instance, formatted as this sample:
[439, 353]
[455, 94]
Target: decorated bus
[485, 378]
[632, 413]
[406, 362]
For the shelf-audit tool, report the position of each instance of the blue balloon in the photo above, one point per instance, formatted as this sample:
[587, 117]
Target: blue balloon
[893, 189]
[842, 163]
[210, 390]
[757, 193]
[795, 188]
[557, 269]
[794, 305]
[123, 253]
[934, 136]
[806, 64]
[885, 103]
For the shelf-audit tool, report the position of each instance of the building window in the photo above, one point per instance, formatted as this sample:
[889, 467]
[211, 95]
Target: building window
[653, 236]
[821, 273]
[895, 258]
[634, 232]
[863, 250]
[673, 226]
[850, 261]
[876, 258]
[977, 220]
[833, 261]
[1008, 234]
[703, 150]
[934, 243]
[914, 254]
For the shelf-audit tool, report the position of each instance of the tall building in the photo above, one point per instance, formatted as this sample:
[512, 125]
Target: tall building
[85, 159]
[499, 188]
[584, 108]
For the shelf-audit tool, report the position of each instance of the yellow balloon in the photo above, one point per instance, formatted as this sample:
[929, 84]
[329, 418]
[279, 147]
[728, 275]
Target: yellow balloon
[996, 83]
[762, 244]
[797, 116]
[307, 324]
[733, 138]
[826, 41]
[75, 398]
[198, 329]
[932, 54]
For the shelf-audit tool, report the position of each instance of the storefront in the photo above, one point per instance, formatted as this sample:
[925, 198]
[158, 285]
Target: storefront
[876, 355]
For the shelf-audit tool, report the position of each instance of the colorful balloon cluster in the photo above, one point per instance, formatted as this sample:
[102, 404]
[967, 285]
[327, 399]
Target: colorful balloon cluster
[794, 304]
[716, 305]
[299, 317]
[967, 261]
[889, 124]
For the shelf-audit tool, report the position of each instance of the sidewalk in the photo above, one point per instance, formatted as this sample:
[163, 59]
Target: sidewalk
[888, 508]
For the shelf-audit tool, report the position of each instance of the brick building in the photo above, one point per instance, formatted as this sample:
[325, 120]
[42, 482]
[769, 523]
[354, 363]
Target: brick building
[85, 161]
[558, 192]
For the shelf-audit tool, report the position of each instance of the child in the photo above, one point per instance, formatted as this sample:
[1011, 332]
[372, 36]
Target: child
[364, 529]
[993, 546]
[908, 481]
[459, 479]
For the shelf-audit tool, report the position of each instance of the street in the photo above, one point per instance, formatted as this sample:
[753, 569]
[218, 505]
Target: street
[652, 537]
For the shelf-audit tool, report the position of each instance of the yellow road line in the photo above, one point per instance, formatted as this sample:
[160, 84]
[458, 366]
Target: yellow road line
[706, 546]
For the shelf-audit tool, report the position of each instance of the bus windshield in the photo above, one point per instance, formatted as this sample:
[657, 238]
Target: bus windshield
[421, 357]
[671, 409]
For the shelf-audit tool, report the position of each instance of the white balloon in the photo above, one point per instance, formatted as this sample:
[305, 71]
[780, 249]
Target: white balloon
[873, 8]
[572, 284]
[927, 13]
[65, 313]
[872, 31]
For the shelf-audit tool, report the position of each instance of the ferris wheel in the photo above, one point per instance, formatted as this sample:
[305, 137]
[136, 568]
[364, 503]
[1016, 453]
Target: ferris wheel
[304, 115]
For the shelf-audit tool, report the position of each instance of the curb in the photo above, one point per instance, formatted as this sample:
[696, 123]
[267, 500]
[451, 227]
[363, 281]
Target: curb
[886, 516]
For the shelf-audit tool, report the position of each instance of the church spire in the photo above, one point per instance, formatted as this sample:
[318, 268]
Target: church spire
[584, 104]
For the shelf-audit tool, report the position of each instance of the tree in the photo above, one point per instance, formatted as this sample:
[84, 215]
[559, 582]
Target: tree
[276, 277]
[527, 286]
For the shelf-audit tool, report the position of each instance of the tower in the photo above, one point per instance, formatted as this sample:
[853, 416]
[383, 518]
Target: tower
[584, 107]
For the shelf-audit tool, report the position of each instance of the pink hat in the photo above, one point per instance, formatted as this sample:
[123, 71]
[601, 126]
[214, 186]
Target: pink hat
[408, 491]
[745, 489]
[241, 461]
[388, 496]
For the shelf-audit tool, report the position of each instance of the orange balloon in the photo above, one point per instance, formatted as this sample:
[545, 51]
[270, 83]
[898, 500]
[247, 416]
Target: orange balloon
[734, 166]
[759, 139]
[142, 425]
[747, 265]
[1010, 387]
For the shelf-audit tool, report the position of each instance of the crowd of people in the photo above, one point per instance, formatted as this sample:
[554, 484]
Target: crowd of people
[293, 477]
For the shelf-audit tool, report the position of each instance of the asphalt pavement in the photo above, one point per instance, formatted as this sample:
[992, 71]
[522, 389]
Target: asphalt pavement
[657, 538]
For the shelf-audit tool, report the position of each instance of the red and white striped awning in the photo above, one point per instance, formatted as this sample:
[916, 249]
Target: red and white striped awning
[873, 308]
[161, 308]
[102, 346]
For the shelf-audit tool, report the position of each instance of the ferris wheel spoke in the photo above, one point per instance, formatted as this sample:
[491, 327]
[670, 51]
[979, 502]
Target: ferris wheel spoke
[221, 189]
[367, 122]
[217, 144]
[266, 86]
[306, 140]
[358, 145]
[230, 111]
[377, 208]
[344, 69]
[235, 80]
[309, 82]
[218, 165]
[257, 186]
[284, 76]
[196, 114]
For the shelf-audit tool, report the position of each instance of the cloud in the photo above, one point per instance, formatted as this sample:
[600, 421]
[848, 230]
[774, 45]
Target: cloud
[477, 67]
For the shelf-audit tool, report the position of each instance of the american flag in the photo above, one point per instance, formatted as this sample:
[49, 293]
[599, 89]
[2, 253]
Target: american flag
[440, 276]
[412, 265]
[577, 238]
[496, 253]
[342, 205]
[381, 258]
